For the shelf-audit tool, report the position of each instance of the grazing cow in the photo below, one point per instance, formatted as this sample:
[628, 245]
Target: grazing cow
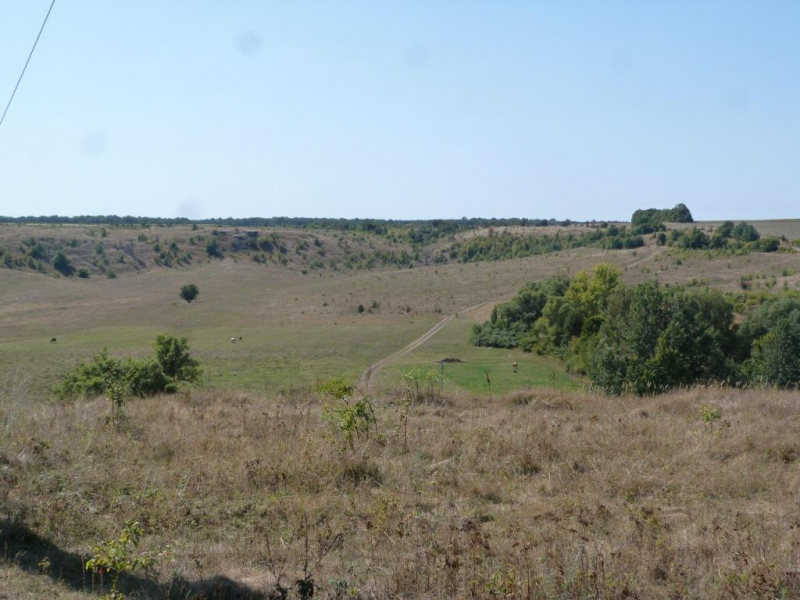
[514, 366]
[233, 340]
[52, 340]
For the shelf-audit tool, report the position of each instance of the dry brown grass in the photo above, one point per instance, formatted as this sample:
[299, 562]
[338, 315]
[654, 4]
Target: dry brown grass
[536, 495]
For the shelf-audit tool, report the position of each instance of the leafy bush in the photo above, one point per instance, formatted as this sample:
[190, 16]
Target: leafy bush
[420, 386]
[142, 377]
[90, 378]
[744, 232]
[62, 263]
[189, 292]
[351, 421]
[336, 387]
[213, 248]
[173, 356]
[118, 556]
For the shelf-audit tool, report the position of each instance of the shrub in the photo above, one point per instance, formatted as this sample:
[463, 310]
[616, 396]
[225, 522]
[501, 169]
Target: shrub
[420, 386]
[351, 421]
[90, 378]
[336, 387]
[213, 248]
[142, 377]
[189, 292]
[118, 556]
[62, 263]
[745, 232]
[172, 354]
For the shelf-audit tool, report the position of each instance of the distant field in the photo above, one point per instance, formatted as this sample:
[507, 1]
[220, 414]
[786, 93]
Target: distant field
[789, 228]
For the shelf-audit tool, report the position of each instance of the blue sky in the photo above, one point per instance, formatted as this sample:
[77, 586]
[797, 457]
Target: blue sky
[411, 109]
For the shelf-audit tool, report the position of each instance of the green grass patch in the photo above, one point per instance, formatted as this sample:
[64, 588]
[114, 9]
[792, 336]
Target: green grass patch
[453, 342]
[267, 359]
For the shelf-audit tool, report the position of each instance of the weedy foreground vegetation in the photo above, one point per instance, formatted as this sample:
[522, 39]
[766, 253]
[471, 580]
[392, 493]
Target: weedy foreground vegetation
[691, 494]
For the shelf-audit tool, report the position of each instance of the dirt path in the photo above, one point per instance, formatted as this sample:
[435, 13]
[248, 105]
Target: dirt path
[368, 376]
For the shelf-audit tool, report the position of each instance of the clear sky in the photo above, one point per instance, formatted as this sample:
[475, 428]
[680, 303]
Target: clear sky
[405, 109]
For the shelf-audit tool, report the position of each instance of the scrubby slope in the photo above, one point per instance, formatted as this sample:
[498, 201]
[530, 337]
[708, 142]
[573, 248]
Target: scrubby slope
[693, 494]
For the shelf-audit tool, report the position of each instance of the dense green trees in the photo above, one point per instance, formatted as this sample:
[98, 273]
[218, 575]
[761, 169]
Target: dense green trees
[648, 338]
[647, 220]
[741, 237]
[654, 339]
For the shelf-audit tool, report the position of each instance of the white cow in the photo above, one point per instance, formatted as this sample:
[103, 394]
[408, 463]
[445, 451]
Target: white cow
[233, 340]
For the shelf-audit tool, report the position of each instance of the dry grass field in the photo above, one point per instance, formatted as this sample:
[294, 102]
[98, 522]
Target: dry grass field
[694, 494]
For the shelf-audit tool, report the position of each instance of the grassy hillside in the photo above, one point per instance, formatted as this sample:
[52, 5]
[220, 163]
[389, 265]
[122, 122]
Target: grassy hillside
[298, 328]
[534, 495]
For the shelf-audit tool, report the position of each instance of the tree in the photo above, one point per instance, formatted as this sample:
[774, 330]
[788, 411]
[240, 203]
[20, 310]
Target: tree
[680, 214]
[189, 292]
[725, 230]
[744, 232]
[62, 263]
[776, 355]
[653, 340]
[172, 354]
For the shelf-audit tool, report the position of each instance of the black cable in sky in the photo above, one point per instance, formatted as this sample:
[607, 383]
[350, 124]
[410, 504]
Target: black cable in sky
[21, 75]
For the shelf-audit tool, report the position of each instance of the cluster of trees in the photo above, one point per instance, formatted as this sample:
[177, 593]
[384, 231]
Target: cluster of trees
[729, 236]
[378, 226]
[648, 338]
[648, 220]
[507, 245]
[171, 364]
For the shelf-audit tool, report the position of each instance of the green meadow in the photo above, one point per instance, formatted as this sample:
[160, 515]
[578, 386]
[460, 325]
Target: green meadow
[452, 342]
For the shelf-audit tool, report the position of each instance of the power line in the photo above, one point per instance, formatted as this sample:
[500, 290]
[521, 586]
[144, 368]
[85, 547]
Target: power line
[21, 75]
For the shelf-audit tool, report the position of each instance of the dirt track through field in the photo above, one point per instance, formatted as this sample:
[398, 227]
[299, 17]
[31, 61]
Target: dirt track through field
[367, 377]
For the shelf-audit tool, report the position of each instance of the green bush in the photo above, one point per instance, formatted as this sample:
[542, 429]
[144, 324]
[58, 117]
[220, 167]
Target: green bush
[62, 263]
[336, 387]
[139, 377]
[172, 354]
[189, 292]
[90, 378]
[213, 248]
